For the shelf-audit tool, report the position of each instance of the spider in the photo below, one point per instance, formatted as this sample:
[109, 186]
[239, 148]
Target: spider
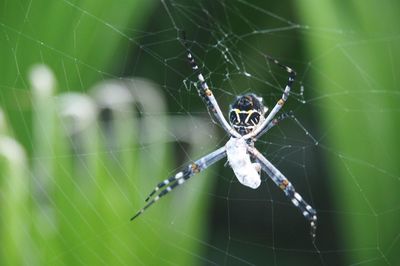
[248, 121]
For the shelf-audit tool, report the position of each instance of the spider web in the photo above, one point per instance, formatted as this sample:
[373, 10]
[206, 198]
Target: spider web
[110, 138]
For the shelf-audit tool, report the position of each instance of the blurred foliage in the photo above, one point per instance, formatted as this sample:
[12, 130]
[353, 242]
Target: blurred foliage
[80, 41]
[68, 202]
[359, 99]
[69, 183]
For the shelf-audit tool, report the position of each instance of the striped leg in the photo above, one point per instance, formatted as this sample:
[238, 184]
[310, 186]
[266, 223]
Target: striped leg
[283, 116]
[260, 130]
[280, 180]
[276, 121]
[207, 95]
[178, 179]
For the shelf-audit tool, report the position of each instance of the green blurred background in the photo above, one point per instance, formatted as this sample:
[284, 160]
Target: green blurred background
[98, 104]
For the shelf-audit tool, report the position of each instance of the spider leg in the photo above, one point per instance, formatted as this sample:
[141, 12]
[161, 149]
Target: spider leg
[167, 181]
[260, 130]
[284, 116]
[207, 95]
[182, 176]
[281, 181]
[276, 121]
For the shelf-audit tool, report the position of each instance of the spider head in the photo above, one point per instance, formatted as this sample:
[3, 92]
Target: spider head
[246, 113]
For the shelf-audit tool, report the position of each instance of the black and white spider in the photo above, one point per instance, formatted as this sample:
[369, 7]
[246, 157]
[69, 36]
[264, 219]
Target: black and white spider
[248, 122]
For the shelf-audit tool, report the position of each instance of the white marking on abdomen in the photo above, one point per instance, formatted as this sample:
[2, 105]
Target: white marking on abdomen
[239, 160]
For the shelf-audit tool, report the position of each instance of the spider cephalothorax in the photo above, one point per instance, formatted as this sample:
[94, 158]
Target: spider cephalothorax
[246, 113]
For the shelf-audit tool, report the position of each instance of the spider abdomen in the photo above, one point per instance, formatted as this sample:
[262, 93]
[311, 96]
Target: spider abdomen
[246, 172]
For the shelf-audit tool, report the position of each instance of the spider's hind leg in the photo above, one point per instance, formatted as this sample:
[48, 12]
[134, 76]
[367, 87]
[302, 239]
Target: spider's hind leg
[166, 182]
[308, 212]
[162, 193]
[169, 184]
[283, 183]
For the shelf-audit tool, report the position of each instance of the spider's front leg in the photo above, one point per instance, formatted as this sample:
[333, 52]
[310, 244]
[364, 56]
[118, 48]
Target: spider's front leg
[276, 121]
[174, 181]
[282, 182]
[207, 95]
[260, 130]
